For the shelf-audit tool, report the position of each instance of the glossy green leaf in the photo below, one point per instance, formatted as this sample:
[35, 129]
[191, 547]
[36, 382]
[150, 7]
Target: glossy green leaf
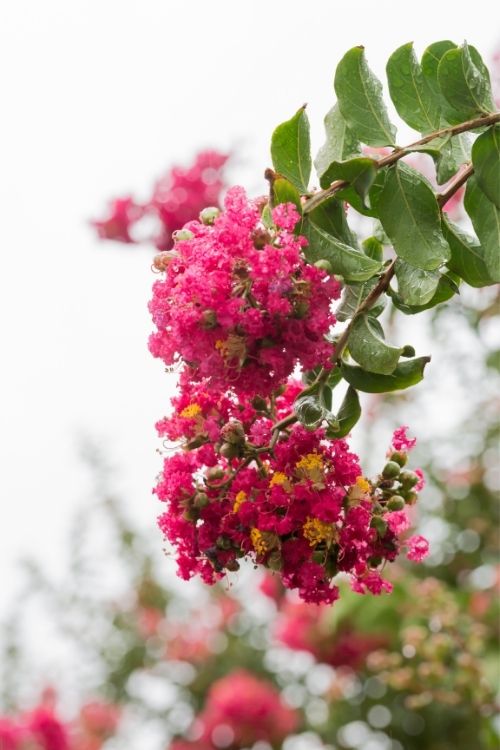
[361, 102]
[449, 153]
[430, 63]
[406, 374]
[309, 411]
[340, 143]
[467, 256]
[373, 248]
[360, 172]
[446, 288]
[413, 98]
[285, 192]
[349, 414]
[350, 196]
[346, 261]
[352, 297]
[465, 83]
[291, 150]
[330, 216]
[415, 286]
[368, 348]
[410, 215]
[485, 218]
[486, 162]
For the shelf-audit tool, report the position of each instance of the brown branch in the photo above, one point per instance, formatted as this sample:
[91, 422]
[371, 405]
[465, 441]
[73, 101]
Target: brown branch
[456, 183]
[398, 153]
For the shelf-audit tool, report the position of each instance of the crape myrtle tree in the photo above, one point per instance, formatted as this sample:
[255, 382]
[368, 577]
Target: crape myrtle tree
[247, 310]
[251, 295]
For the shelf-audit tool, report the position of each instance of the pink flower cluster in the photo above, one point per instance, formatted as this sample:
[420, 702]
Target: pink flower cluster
[42, 729]
[239, 304]
[177, 198]
[241, 710]
[302, 508]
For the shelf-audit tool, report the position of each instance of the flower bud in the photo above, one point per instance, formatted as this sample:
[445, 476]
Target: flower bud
[399, 457]
[259, 403]
[233, 432]
[182, 234]
[411, 498]
[223, 542]
[162, 260]
[324, 265]
[209, 215]
[208, 319]
[232, 566]
[391, 470]
[408, 479]
[379, 524]
[215, 473]
[396, 502]
[274, 561]
[229, 450]
[301, 308]
[200, 500]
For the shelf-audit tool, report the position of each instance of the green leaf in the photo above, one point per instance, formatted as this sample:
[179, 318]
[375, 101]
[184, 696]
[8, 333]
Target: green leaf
[446, 288]
[340, 143]
[346, 261]
[285, 192]
[350, 196]
[406, 374]
[454, 152]
[410, 215]
[486, 162]
[373, 248]
[413, 98]
[330, 216]
[291, 150]
[349, 414]
[368, 348]
[309, 411]
[353, 295]
[360, 172]
[467, 256]
[485, 218]
[430, 63]
[465, 83]
[415, 286]
[360, 100]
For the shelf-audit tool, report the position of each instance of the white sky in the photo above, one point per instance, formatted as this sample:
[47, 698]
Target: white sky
[98, 97]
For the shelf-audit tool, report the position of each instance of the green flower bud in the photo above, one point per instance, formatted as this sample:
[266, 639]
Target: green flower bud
[324, 265]
[408, 479]
[396, 502]
[209, 215]
[411, 498]
[391, 470]
[200, 500]
[233, 432]
[182, 234]
[223, 542]
[208, 319]
[379, 524]
[229, 450]
[399, 457]
[274, 561]
[215, 473]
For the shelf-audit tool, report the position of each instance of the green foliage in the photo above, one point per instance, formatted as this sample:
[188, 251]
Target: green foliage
[360, 100]
[486, 162]
[291, 150]
[346, 261]
[410, 91]
[349, 413]
[465, 83]
[340, 143]
[405, 375]
[368, 348]
[485, 218]
[410, 215]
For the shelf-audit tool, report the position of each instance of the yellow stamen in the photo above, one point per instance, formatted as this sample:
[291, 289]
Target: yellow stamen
[278, 478]
[240, 498]
[316, 531]
[363, 485]
[310, 462]
[191, 411]
[258, 541]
